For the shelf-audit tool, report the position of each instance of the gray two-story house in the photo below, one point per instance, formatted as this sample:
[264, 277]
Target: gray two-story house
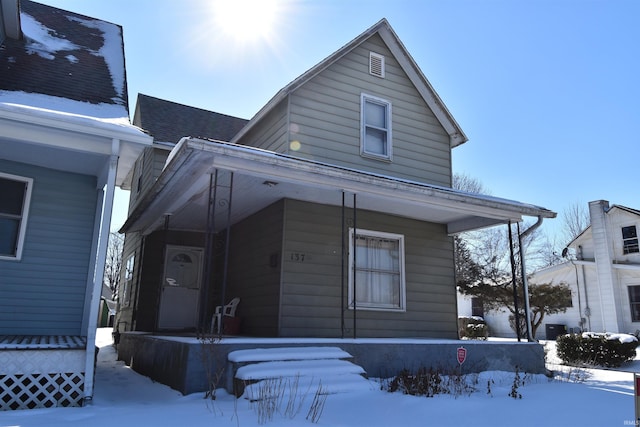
[329, 214]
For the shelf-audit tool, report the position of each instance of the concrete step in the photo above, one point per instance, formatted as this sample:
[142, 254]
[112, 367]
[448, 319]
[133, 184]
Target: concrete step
[260, 373]
[287, 353]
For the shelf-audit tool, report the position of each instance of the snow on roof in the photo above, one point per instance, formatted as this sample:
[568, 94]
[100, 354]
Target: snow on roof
[65, 62]
[41, 40]
[99, 116]
[111, 50]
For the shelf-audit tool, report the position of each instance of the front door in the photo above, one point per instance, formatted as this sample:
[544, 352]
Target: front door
[179, 302]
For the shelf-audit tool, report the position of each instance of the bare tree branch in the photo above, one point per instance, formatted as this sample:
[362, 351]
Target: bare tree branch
[113, 264]
[575, 219]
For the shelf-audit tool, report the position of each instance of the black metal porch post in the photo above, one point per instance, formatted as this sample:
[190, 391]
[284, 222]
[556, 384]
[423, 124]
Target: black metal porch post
[226, 250]
[342, 272]
[208, 251]
[355, 241]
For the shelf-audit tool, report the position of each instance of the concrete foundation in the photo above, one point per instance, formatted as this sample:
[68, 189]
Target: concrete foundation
[186, 363]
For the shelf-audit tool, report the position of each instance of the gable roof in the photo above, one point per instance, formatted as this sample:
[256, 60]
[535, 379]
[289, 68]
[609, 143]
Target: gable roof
[169, 121]
[587, 228]
[626, 209]
[409, 66]
[66, 56]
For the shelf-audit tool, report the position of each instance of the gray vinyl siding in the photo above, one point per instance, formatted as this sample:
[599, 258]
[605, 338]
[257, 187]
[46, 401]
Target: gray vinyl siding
[256, 243]
[124, 315]
[325, 118]
[311, 289]
[44, 292]
[148, 166]
[271, 132]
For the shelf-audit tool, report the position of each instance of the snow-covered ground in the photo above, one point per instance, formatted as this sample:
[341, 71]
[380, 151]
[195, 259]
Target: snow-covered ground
[124, 398]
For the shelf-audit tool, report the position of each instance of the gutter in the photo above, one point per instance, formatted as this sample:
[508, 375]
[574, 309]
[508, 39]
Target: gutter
[103, 127]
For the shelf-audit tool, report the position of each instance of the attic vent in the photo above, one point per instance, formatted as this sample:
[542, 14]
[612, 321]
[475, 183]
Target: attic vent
[376, 64]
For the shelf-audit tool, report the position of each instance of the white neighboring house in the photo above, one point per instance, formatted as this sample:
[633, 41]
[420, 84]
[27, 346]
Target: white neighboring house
[604, 277]
[553, 324]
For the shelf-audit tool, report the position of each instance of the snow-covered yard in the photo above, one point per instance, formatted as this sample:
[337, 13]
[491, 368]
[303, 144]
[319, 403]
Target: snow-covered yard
[124, 398]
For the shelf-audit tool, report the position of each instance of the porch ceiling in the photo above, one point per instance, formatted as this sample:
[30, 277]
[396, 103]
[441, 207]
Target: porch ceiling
[261, 178]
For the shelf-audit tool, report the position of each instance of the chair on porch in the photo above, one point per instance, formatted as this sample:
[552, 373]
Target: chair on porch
[228, 310]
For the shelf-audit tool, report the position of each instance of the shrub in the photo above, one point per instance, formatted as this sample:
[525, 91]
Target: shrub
[425, 382]
[430, 382]
[609, 350]
[472, 328]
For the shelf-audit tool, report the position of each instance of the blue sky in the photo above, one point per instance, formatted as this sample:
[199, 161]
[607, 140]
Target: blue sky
[545, 90]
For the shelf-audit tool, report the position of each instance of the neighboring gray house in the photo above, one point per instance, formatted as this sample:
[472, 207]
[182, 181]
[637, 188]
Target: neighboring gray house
[65, 144]
[330, 213]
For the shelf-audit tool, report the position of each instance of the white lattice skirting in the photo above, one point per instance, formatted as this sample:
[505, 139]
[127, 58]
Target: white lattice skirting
[41, 378]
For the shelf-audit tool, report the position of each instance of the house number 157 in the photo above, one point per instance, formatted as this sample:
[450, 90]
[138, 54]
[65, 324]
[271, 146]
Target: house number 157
[297, 257]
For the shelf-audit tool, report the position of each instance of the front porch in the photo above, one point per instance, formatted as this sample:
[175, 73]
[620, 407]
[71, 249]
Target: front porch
[179, 361]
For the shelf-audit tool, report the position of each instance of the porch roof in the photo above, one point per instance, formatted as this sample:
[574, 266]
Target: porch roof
[180, 195]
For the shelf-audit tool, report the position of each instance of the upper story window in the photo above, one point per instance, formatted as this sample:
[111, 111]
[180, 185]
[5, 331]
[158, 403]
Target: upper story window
[375, 139]
[15, 194]
[630, 240]
[376, 273]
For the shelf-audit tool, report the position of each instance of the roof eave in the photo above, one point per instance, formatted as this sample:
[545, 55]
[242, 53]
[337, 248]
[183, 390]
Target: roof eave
[192, 158]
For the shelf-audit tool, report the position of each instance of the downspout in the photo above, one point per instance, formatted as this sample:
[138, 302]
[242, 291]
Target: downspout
[587, 309]
[525, 284]
[575, 268]
[98, 272]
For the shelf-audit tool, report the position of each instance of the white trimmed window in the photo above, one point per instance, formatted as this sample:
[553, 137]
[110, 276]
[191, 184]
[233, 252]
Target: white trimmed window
[15, 197]
[630, 240]
[375, 138]
[634, 302]
[376, 273]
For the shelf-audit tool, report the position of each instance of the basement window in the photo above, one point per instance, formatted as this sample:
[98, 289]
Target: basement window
[15, 197]
[630, 240]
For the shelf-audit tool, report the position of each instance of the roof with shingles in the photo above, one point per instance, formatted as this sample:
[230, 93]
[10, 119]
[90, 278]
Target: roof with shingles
[75, 69]
[169, 121]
